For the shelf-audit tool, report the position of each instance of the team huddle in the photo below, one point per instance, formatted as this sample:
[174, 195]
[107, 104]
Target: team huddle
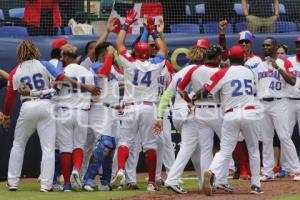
[96, 117]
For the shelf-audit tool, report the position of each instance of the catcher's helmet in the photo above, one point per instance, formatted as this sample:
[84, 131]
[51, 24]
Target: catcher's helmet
[142, 50]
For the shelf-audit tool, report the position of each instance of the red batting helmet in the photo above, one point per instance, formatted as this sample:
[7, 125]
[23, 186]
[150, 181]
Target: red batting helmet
[202, 43]
[142, 50]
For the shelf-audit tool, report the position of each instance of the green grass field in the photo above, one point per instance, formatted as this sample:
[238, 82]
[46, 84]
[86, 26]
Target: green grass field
[29, 190]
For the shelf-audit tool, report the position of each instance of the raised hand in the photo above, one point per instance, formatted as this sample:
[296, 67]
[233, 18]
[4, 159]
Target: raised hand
[130, 17]
[114, 25]
[222, 26]
[149, 25]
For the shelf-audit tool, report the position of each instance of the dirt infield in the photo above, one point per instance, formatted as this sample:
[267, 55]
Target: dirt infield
[278, 188]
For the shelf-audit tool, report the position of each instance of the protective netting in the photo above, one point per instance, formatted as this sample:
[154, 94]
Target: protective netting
[180, 16]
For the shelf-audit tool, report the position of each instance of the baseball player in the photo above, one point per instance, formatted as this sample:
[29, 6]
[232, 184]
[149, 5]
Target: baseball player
[74, 104]
[36, 75]
[140, 74]
[273, 75]
[103, 119]
[235, 86]
[182, 120]
[293, 104]
[56, 52]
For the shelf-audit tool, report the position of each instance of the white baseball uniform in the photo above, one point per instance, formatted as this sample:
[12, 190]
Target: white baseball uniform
[35, 114]
[73, 104]
[293, 102]
[189, 138]
[271, 90]
[235, 85]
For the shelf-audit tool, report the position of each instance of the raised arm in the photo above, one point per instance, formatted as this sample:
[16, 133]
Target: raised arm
[276, 7]
[245, 7]
[113, 25]
[161, 45]
[4, 74]
[129, 20]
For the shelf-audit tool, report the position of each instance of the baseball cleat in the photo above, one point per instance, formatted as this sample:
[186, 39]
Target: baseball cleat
[256, 190]
[132, 186]
[281, 174]
[75, 180]
[11, 187]
[88, 188]
[152, 187]
[225, 187]
[160, 183]
[104, 188]
[115, 183]
[177, 189]
[296, 177]
[46, 190]
[266, 178]
[67, 188]
[208, 182]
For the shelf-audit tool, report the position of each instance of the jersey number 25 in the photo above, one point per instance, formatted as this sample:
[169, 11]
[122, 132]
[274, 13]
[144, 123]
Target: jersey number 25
[237, 87]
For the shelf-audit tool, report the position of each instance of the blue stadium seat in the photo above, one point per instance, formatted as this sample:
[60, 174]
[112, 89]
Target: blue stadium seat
[285, 26]
[213, 27]
[188, 10]
[241, 26]
[184, 28]
[238, 8]
[68, 30]
[13, 31]
[200, 8]
[16, 13]
[281, 8]
[1, 15]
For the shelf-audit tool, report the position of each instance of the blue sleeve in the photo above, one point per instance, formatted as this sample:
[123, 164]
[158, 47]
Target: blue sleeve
[96, 66]
[144, 37]
[60, 66]
[55, 72]
[158, 59]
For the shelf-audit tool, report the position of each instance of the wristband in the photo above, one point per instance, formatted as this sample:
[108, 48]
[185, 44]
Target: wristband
[154, 35]
[125, 27]
[6, 116]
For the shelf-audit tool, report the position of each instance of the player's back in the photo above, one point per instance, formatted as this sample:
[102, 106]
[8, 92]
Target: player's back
[141, 77]
[237, 87]
[33, 73]
[73, 97]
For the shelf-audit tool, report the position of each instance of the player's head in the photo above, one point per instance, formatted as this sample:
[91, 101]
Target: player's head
[68, 54]
[142, 50]
[270, 47]
[26, 50]
[213, 54]
[101, 51]
[236, 55]
[246, 38]
[89, 49]
[297, 41]
[282, 50]
[56, 44]
[196, 54]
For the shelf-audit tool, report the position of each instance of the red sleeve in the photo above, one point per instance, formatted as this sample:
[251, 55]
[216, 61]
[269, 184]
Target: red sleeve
[60, 77]
[10, 97]
[118, 70]
[215, 79]
[106, 68]
[187, 78]
[288, 66]
[170, 67]
[126, 56]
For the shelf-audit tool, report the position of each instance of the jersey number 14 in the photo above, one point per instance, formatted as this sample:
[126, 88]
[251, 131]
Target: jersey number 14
[146, 80]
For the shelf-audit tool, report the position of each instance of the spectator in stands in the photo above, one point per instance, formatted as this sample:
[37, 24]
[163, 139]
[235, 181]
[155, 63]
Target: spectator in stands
[219, 10]
[174, 13]
[259, 15]
[42, 17]
[282, 50]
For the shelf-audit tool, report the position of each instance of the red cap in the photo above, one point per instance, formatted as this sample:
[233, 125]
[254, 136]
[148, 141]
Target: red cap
[236, 52]
[56, 44]
[297, 39]
[202, 43]
[142, 50]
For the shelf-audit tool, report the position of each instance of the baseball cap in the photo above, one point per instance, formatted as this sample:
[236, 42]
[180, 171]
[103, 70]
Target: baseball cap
[202, 43]
[56, 44]
[297, 39]
[236, 52]
[246, 35]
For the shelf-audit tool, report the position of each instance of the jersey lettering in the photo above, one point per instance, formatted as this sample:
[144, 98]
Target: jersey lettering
[35, 82]
[237, 85]
[146, 80]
